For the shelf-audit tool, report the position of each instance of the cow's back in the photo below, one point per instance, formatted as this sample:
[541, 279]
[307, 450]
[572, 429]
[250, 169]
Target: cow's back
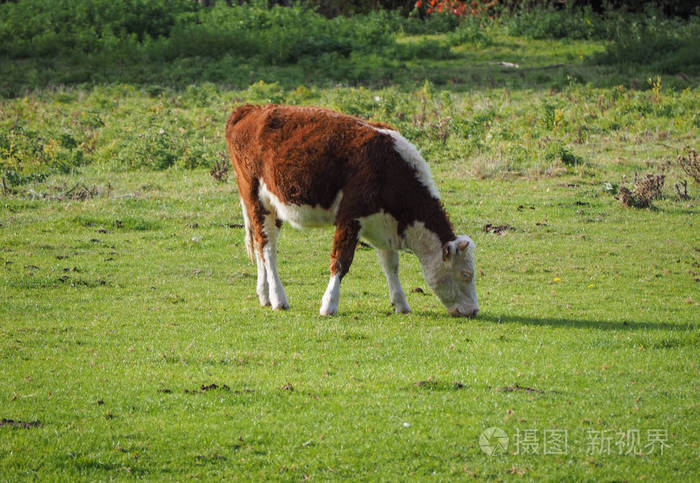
[305, 155]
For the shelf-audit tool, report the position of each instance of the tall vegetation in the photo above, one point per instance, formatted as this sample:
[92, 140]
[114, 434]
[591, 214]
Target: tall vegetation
[179, 42]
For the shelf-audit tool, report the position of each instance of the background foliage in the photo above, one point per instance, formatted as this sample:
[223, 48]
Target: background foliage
[179, 43]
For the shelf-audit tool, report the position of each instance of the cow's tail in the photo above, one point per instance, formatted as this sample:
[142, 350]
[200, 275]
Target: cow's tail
[249, 247]
[249, 244]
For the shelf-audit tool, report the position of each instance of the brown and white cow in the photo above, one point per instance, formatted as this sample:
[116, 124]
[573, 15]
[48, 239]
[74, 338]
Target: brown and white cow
[311, 167]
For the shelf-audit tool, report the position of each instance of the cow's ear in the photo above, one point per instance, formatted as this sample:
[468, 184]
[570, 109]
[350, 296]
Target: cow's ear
[448, 250]
[445, 252]
[464, 243]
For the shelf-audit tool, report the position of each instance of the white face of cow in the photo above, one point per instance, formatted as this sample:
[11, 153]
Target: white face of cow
[454, 282]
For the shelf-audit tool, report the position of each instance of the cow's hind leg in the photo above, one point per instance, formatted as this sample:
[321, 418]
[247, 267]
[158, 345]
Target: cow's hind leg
[255, 254]
[346, 236]
[262, 232]
[389, 260]
[262, 288]
[278, 298]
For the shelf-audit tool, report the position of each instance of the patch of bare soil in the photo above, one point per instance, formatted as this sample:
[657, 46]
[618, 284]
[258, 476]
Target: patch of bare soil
[212, 386]
[435, 385]
[497, 229]
[19, 424]
[518, 387]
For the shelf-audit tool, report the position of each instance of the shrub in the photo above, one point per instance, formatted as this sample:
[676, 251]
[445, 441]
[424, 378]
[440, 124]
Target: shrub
[26, 154]
[662, 44]
[470, 31]
[170, 29]
[550, 23]
[645, 190]
[690, 163]
[37, 27]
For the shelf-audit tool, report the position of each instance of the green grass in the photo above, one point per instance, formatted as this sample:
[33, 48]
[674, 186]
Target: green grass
[116, 309]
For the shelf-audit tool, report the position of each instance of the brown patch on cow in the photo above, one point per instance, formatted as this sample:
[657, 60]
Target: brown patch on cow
[19, 424]
[518, 387]
[497, 229]
[381, 125]
[306, 155]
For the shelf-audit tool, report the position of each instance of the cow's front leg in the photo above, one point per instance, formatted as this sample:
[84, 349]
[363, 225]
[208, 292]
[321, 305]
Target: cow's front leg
[346, 236]
[389, 260]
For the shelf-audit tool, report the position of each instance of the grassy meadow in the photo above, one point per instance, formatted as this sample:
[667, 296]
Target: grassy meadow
[132, 344]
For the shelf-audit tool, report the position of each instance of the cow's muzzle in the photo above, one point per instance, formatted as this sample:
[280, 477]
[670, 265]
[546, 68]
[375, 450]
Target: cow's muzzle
[467, 312]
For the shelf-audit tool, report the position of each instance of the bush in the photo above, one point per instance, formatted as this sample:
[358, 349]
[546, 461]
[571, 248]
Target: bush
[166, 30]
[25, 153]
[41, 28]
[645, 190]
[551, 23]
[663, 44]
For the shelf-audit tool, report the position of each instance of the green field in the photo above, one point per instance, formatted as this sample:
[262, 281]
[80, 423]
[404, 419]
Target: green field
[133, 346]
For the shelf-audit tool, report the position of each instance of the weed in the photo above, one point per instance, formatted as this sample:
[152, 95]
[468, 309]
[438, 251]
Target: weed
[689, 163]
[563, 154]
[682, 193]
[645, 189]
[79, 192]
[220, 169]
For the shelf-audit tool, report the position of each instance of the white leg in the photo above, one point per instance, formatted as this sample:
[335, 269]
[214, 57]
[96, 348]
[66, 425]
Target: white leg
[329, 302]
[278, 299]
[389, 260]
[262, 287]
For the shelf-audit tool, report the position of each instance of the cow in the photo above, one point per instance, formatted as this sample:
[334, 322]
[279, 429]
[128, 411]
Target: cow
[310, 166]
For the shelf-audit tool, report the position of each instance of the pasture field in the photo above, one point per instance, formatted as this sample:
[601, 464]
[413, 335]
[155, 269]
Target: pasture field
[132, 344]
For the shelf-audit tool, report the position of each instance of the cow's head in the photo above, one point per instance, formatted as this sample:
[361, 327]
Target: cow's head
[455, 281]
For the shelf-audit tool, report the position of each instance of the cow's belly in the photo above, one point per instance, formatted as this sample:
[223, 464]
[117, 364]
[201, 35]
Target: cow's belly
[300, 216]
[382, 231]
